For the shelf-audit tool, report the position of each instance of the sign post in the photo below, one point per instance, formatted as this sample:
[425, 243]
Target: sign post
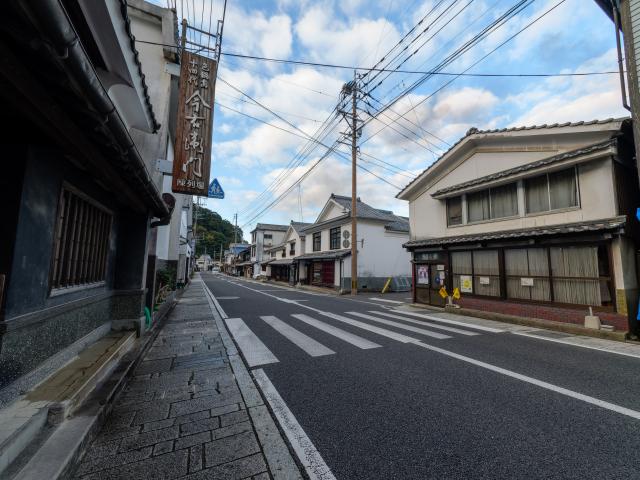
[192, 159]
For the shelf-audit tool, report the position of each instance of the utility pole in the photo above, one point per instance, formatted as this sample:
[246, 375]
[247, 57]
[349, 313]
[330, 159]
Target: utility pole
[235, 229]
[354, 187]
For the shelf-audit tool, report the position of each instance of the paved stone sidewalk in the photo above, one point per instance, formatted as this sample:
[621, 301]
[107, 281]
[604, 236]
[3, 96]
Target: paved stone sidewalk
[182, 415]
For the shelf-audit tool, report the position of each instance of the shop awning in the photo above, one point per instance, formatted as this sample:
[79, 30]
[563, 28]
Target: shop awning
[567, 228]
[332, 255]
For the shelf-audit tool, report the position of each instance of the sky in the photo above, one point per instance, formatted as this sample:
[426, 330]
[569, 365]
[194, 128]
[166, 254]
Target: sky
[248, 156]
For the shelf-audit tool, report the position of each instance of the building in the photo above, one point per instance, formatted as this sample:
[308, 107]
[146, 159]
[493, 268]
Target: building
[234, 256]
[533, 221]
[326, 258]
[280, 263]
[170, 245]
[204, 263]
[263, 237]
[78, 193]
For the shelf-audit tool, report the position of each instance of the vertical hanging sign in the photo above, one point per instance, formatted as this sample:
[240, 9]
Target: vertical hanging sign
[192, 160]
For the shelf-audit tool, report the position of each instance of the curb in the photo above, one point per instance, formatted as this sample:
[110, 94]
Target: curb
[282, 464]
[529, 322]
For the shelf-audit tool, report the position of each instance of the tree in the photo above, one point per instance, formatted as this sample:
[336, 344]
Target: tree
[211, 231]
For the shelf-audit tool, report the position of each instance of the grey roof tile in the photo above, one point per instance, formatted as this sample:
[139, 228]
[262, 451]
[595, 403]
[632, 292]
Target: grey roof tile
[578, 227]
[475, 131]
[529, 166]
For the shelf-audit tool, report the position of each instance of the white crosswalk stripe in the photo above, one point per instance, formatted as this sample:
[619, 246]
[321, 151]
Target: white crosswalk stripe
[343, 335]
[424, 323]
[254, 351]
[401, 326]
[473, 326]
[399, 337]
[306, 343]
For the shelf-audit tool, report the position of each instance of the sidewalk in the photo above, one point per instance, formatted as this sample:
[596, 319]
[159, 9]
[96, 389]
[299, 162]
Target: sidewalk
[190, 411]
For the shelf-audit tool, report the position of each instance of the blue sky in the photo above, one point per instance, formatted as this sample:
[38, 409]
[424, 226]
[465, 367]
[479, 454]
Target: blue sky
[248, 156]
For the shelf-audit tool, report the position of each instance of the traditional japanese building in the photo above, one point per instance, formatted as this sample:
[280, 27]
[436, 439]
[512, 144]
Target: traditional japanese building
[263, 237]
[80, 198]
[281, 264]
[533, 221]
[326, 258]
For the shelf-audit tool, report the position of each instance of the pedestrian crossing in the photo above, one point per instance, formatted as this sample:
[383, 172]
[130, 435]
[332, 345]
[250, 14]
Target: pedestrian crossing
[377, 322]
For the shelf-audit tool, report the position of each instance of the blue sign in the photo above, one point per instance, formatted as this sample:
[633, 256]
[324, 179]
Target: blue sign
[215, 190]
[638, 213]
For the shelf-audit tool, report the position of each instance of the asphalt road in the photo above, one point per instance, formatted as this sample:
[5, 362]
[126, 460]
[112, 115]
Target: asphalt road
[490, 405]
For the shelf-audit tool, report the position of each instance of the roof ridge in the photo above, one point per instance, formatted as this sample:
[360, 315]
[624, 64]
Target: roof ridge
[476, 131]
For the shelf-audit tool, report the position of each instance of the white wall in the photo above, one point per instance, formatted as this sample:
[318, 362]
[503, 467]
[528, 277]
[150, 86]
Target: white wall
[596, 194]
[382, 254]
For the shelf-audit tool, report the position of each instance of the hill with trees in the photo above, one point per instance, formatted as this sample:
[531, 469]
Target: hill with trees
[211, 231]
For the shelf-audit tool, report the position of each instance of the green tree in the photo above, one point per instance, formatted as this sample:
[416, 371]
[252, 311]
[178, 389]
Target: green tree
[212, 231]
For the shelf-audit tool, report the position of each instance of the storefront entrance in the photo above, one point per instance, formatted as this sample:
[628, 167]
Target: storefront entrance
[430, 274]
[323, 273]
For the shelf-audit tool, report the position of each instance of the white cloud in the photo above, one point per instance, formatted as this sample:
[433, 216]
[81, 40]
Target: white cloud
[329, 40]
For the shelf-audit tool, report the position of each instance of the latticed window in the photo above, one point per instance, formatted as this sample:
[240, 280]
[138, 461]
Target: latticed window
[334, 238]
[316, 242]
[81, 241]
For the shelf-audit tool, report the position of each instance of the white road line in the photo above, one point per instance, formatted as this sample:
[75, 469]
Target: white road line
[222, 313]
[422, 322]
[401, 326]
[549, 386]
[566, 342]
[306, 343]
[343, 335]
[255, 352]
[385, 300]
[306, 452]
[399, 337]
[227, 298]
[451, 322]
[380, 331]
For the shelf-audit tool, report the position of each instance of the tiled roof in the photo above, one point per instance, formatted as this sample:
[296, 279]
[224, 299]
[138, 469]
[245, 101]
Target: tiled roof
[579, 227]
[475, 131]
[297, 226]
[136, 55]
[529, 166]
[324, 255]
[365, 210]
[398, 226]
[271, 226]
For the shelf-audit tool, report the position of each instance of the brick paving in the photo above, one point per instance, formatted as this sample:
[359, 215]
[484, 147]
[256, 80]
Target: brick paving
[182, 414]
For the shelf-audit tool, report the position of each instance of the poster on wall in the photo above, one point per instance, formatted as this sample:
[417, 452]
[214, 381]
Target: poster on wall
[466, 284]
[423, 274]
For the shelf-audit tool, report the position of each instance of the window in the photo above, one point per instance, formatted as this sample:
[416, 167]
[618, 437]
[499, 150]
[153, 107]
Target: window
[454, 211]
[284, 252]
[268, 236]
[334, 238]
[531, 264]
[486, 273]
[497, 202]
[316, 242]
[292, 248]
[81, 242]
[552, 191]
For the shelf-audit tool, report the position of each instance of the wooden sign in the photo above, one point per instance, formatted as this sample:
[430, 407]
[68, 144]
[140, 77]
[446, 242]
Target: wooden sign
[192, 159]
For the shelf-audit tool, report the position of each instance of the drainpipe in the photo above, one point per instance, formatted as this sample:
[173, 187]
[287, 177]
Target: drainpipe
[616, 21]
[64, 43]
[341, 275]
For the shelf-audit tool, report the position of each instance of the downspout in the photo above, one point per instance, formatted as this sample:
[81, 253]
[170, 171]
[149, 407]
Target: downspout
[65, 44]
[616, 21]
[341, 275]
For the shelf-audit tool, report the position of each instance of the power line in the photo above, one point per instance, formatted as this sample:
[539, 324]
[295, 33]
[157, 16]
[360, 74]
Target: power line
[416, 72]
[473, 64]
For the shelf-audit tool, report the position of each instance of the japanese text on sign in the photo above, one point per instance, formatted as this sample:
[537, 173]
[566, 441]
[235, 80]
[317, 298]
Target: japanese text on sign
[195, 118]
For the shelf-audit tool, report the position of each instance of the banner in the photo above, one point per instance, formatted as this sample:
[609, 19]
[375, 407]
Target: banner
[192, 159]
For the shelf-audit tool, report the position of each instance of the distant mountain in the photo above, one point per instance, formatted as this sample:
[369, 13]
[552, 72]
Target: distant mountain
[212, 231]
